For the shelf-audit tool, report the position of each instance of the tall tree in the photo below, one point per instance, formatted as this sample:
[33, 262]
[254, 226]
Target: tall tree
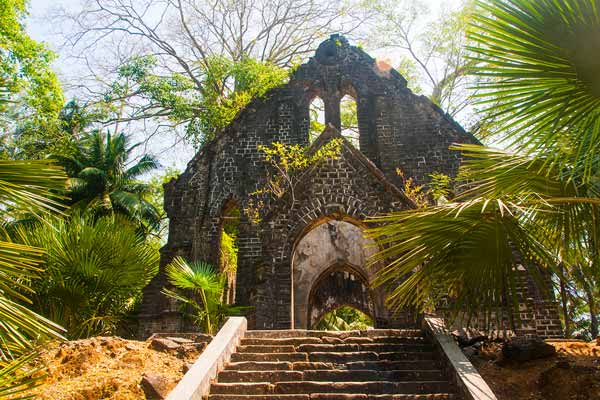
[29, 89]
[102, 182]
[432, 53]
[195, 53]
[541, 199]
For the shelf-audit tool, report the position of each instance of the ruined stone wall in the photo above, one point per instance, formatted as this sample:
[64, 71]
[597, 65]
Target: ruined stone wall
[398, 129]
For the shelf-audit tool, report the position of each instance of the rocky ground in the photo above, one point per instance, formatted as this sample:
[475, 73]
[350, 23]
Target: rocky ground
[572, 373]
[115, 368]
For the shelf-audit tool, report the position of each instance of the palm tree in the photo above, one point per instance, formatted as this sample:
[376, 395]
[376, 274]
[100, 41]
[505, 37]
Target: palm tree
[102, 182]
[94, 271]
[536, 204]
[203, 282]
[200, 288]
[29, 187]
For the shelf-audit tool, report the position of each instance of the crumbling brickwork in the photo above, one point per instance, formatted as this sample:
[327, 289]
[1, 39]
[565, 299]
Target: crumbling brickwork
[397, 129]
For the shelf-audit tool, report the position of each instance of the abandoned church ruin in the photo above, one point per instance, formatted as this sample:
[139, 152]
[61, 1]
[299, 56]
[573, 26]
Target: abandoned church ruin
[308, 257]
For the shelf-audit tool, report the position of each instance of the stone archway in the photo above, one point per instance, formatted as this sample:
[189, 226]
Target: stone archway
[339, 285]
[329, 266]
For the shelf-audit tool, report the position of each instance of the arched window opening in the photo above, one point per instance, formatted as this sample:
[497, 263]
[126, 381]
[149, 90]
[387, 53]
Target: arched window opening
[344, 318]
[349, 120]
[229, 249]
[316, 113]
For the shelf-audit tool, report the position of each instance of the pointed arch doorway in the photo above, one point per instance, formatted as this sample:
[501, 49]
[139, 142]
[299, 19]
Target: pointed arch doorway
[329, 270]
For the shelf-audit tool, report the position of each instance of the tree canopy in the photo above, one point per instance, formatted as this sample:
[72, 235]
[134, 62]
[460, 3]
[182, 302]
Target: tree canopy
[29, 87]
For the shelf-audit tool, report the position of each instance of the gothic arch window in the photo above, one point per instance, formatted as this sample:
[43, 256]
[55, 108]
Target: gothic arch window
[349, 120]
[228, 248]
[316, 112]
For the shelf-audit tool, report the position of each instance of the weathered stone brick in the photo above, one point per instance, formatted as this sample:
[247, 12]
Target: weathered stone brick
[397, 128]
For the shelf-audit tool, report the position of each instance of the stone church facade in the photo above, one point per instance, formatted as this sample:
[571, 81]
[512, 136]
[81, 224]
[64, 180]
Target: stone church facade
[307, 257]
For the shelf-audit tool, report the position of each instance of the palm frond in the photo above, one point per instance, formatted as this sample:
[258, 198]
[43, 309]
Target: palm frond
[539, 62]
[498, 173]
[145, 164]
[514, 210]
[193, 276]
[95, 268]
[16, 380]
[31, 186]
[465, 250]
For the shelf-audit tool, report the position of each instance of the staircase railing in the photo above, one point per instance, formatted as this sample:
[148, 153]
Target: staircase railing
[466, 377]
[195, 384]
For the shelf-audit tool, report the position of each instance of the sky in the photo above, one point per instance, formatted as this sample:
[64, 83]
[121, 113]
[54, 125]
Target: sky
[176, 156]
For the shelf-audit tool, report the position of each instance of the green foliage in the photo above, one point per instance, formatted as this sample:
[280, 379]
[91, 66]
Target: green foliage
[230, 86]
[344, 319]
[317, 118]
[288, 162]
[229, 251]
[349, 120]
[25, 187]
[292, 159]
[156, 197]
[27, 82]
[539, 59]
[32, 138]
[175, 93]
[16, 379]
[30, 94]
[94, 271]
[101, 182]
[200, 288]
[207, 103]
[439, 187]
[415, 192]
[409, 69]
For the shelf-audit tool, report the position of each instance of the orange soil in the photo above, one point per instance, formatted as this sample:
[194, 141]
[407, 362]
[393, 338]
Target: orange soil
[574, 374]
[105, 368]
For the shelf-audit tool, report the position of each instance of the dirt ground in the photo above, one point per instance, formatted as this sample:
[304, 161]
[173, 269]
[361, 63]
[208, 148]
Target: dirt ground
[106, 368]
[574, 374]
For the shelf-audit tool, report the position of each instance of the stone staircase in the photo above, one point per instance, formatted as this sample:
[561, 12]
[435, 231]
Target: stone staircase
[356, 365]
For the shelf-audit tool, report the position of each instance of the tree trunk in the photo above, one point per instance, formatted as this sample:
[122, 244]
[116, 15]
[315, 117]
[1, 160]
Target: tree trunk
[593, 309]
[564, 297]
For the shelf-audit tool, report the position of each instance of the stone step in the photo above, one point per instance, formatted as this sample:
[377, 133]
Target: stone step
[259, 397]
[267, 349]
[404, 356]
[354, 347]
[353, 365]
[281, 341]
[358, 396]
[295, 341]
[376, 347]
[388, 339]
[294, 333]
[334, 357]
[291, 357]
[334, 396]
[307, 387]
[259, 366]
[386, 365]
[346, 357]
[230, 376]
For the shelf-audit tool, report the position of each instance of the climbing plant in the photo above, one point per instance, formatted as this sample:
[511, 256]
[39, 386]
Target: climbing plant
[287, 163]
